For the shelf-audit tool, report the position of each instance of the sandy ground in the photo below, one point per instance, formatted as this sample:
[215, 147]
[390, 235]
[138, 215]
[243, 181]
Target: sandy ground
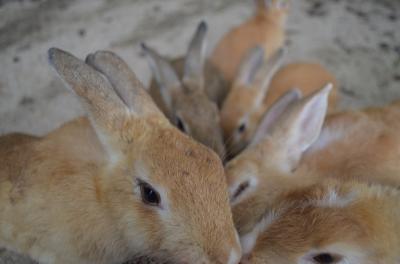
[358, 40]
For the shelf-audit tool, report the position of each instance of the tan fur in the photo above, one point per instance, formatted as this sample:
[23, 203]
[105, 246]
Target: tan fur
[370, 146]
[72, 196]
[240, 103]
[266, 28]
[368, 225]
[363, 217]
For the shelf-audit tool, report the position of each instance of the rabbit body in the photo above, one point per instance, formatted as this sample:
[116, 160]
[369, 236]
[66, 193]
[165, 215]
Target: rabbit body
[266, 29]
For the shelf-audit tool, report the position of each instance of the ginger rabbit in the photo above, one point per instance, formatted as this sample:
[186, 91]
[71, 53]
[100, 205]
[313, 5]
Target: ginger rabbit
[258, 85]
[117, 185]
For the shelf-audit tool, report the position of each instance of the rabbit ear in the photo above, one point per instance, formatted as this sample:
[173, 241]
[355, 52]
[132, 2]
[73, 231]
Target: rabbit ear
[250, 66]
[264, 76]
[107, 112]
[283, 4]
[124, 81]
[299, 127]
[279, 4]
[274, 113]
[195, 58]
[164, 74]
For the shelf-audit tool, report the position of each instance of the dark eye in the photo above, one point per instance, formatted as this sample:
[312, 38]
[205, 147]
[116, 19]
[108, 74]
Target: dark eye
[149, 195]
[325, 258]
[180, 125]
[241, 188]
[242, 128]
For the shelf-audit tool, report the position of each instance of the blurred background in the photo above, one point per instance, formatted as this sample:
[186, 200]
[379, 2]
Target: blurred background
[358, 40]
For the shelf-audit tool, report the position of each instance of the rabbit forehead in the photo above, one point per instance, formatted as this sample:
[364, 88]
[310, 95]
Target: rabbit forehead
[180, 165]
[240, 102]
[194, 105]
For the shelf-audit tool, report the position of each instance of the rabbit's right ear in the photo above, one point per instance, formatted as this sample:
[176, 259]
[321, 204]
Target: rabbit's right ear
[300, 126]
[107, 111]
[274, 113]
[264, 75]
[167, 80]
[250, 66]
[193, 75]
[124, 81]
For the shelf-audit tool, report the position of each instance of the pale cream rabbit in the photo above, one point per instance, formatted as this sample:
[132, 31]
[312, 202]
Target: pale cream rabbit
[258, 85]
[179, 89]
[266, 28]
[119, 184]
[309, 193]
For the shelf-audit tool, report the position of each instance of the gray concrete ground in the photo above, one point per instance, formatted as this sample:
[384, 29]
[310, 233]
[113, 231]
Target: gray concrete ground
[358, 40]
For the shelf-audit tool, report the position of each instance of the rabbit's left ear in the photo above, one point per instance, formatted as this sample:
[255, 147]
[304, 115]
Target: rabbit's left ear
[193, 76]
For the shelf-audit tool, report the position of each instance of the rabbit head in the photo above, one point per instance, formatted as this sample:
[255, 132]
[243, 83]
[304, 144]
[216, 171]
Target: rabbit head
[243, 108]
[163, 194]
[277, 10]
[286, 131]
[184, 101]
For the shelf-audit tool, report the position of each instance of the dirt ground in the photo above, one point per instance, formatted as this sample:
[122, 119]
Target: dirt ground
[358, 40]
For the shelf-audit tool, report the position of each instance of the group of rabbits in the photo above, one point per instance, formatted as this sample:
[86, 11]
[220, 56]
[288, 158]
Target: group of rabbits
[228, 159]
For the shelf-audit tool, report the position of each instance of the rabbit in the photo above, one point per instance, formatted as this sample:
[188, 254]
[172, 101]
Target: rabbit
[185, 102]
[304, 176]
[118, 184]
[266, 28]
[258, 85]
[328, 222]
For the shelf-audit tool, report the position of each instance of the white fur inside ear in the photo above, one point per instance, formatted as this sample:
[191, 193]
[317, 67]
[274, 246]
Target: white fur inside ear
[304, 128]
[348, 254]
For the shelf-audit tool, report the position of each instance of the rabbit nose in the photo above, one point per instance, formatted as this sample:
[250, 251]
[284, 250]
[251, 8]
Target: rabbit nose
[246, 259]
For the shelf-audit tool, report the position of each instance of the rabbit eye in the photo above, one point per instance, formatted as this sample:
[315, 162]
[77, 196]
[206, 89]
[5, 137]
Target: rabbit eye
[149, 195]
[240, 189]
[325, 258]
[180, 125]
[242, 128]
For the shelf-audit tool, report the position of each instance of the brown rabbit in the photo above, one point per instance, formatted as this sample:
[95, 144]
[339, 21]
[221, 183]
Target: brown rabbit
[258, 85]
[119, 184]
[266, 29]
[184, 101]
[320, 186]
